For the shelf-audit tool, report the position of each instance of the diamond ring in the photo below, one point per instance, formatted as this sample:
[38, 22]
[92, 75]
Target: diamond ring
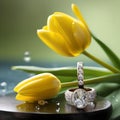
[80, 97]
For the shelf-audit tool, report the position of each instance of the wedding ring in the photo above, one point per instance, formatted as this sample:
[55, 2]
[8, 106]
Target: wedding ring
[80, 97]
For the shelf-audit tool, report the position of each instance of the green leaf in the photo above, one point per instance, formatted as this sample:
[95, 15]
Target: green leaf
[89, 72]
[114, 97]
[112, 56]
[104, 89]
[111, 91]
[61, 71]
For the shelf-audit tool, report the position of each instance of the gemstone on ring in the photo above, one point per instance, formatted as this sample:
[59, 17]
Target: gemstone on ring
[91, 94]
[79, 98]
[80, 74]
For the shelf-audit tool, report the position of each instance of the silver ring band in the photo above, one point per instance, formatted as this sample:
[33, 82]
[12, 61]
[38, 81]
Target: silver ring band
[80, 74]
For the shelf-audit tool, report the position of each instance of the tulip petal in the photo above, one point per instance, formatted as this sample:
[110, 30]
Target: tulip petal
[27, 98]
[78, 14]
[35, 96]
[64, 24]
[56, 42]
[39, 84]
[81, 35]
[41, 88]
[34, 78]
[61, 24]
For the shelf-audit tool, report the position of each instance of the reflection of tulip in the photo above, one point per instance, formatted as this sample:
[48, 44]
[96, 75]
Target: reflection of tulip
[65, 35]
[28, 107]
[40, 87]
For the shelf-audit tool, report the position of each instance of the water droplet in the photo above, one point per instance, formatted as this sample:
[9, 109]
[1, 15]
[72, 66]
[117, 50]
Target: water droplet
[113, 96]
[57, 107]
[27, 57]
[3, 84]
[3, 88]
[58, 104]
[31, 75]
[37, 108]
[116, 100]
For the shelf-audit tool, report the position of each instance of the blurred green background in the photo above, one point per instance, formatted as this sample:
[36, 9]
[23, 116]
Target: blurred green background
[19, 20]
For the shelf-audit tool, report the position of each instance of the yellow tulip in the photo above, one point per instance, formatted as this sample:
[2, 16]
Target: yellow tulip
[39, 87]
[64, 34]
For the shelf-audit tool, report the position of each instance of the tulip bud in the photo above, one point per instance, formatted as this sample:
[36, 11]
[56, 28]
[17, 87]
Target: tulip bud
[39, 87]
[65, 35]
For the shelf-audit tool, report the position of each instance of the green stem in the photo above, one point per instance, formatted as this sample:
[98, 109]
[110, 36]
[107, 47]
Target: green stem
[108, 78]
[111, 68]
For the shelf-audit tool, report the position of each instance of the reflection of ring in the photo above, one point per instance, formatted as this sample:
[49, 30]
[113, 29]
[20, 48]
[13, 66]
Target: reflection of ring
[80, 97]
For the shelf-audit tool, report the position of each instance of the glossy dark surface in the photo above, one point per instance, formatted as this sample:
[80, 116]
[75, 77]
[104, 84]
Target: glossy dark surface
[57, 109]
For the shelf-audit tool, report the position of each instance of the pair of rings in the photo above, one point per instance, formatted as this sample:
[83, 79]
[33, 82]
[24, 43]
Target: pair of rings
[80, 97]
